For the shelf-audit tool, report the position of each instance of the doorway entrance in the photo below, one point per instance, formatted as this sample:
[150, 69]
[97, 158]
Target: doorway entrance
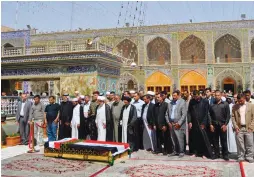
[228, 84]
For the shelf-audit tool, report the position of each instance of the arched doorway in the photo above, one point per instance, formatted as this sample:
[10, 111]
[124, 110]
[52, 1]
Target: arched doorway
[158, 82]
[127, 82]
[130, 85]
[229, 84]
[192, 50]
[128, 49]
[229, 80]
[192, 81]
[158, 51]
[227, 49]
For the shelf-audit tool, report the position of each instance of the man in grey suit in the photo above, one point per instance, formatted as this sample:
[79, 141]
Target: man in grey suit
[176, 117]
[22, 117]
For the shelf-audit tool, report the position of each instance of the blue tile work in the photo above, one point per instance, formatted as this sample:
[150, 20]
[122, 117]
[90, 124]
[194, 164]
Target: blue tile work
[102, 84]
[48, 71]
[18, 34]
[109, 70]
[62, 57]
[112, 84]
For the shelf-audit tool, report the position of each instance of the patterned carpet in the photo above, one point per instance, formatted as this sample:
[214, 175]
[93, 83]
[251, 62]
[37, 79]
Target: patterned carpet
[36, 165]
[142, 163]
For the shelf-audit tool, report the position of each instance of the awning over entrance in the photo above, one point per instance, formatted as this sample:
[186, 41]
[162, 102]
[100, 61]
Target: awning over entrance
[158, 82]
[192, 81]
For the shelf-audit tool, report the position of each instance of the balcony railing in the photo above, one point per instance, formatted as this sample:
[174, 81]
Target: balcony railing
[65, 48]
[228, 60]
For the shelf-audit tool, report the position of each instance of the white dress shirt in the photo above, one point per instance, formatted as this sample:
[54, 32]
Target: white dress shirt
[138, 104]
[86, 109]
[242, 114]
[22, 109]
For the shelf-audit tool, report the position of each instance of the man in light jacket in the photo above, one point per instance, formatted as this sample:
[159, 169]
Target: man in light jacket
[22, 117]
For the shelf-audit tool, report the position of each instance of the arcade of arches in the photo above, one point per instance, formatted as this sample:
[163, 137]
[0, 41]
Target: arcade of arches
[158, 51]
[158, 82]
[227, 49]
[192, 81]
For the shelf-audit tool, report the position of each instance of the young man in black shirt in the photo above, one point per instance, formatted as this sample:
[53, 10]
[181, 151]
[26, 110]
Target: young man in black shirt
[51, 117]
[218, 120]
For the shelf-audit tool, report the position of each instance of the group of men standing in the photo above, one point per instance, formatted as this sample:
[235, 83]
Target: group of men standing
[152, 121]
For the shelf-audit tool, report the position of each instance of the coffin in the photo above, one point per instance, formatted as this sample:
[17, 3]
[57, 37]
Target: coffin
[89, 150]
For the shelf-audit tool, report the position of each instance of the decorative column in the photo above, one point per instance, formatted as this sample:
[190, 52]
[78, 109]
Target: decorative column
[25, 86]
[176, 79]
[210, 77]
[209, 48]
[175, 59]
[245, 46]
[51, 88]
[141, 56]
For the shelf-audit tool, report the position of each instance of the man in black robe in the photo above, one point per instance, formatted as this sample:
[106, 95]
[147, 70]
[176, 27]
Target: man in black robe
[132, 132]
[164, 144]
[198, 122]
[65, 116]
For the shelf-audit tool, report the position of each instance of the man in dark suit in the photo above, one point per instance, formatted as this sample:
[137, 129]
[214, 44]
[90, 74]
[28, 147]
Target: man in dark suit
[147, 115]
[209, 97]
[164, 143]
[22, 117]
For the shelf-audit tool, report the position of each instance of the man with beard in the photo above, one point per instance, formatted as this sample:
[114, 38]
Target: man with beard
[111, 99]
[198, 121]
[138, 103]
[149, 133]
[104, 122]
[176, 119]
[152, 96]
[164, 143]
[127, 132]
[116, 111]
[219, 118]
[248, 98]
[65, 116]
[164, 96]
[243, 122]
[91, 118]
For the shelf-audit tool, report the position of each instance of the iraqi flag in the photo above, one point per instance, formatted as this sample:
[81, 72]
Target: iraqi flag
[101, 146]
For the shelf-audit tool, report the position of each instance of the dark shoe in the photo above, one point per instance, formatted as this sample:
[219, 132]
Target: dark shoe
[181, 155]
[226, 158]
[172, 154]
[164, 153]
[20, 144]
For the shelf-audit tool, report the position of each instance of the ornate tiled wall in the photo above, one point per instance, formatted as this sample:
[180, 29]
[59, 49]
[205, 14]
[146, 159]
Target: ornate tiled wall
[5, 36]
[85, 84]
[107, 84]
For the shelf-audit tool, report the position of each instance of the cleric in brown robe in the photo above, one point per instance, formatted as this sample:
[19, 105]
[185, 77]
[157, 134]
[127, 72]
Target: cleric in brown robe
[198, 122]
[127, 124]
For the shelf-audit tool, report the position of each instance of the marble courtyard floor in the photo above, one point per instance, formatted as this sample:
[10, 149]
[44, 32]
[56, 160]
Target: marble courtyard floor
[16, 162]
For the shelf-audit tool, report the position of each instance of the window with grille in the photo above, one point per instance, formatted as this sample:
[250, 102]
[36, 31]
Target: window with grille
[150, 88]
